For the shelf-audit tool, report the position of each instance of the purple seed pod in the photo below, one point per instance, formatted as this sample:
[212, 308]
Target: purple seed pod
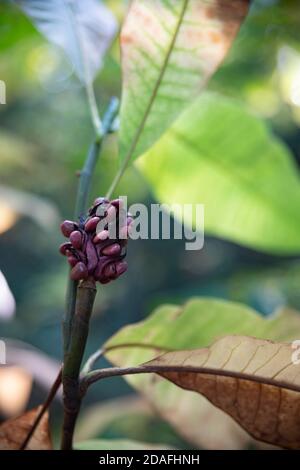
[72, 260]
[79, 272]
[91, 224]
[97, 203]
[92, 258]
[103, 271]
[67, 227]
[110, 271]
[111, 214]
[65, 248]
[76, 239]
[121, 267]
[112, 250]
[101, 236]
[96, 255]
[117, 203]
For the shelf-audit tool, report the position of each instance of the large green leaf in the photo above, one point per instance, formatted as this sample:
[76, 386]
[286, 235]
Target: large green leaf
[170, 48]
[222, 156]
[194, 325]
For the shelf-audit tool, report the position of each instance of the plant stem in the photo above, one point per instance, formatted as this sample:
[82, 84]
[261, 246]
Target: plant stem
[147, 368]
[93, 108]
[73, 357]
[85, 181]
[100, 374]
[69, 312]
[80, 298]
[87, 172]
[88, 366]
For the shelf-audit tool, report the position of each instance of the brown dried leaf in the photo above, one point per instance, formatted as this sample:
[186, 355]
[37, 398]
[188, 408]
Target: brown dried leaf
[14, 431]
[200, 322]
[254, 381]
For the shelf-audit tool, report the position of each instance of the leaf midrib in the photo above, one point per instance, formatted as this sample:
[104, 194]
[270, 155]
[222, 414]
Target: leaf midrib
[156, 86]
[161, 370]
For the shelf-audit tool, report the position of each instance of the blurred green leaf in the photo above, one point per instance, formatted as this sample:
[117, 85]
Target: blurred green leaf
[42, 211]
[130, 417]
[83, 32]
[194, 325]
[220, 155]
[116, 444]
[169, 51]
[93, 421]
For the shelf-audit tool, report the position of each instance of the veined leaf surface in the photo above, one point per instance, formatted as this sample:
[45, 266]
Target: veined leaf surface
[253, 380]
[170, 48]
[221, 155]
[194, 325]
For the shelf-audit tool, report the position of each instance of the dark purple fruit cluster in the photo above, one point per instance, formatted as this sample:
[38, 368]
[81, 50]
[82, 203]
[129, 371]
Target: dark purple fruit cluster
[93, 253]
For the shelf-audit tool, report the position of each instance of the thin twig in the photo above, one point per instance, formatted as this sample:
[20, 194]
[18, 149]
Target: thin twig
[88, 366]
[146, 368]
[85, 178]
[43, 410]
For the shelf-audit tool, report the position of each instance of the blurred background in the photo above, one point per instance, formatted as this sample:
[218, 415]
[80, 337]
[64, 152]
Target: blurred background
[44, 135]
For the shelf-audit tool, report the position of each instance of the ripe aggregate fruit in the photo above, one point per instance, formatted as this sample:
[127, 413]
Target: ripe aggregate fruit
[91, 250]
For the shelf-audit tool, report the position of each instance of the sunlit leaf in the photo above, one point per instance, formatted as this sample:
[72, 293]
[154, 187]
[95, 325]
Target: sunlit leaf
[194, 325]
[254, 381]
[84, 30]
[220, 155]
[14, 431]
[170, 48]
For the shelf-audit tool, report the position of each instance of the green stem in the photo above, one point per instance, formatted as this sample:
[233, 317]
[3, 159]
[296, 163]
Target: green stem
[85, 300]
[80, 298]
[87, 172]
[85, 181]
[83, 190]
[69, 312]
[86, 294]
